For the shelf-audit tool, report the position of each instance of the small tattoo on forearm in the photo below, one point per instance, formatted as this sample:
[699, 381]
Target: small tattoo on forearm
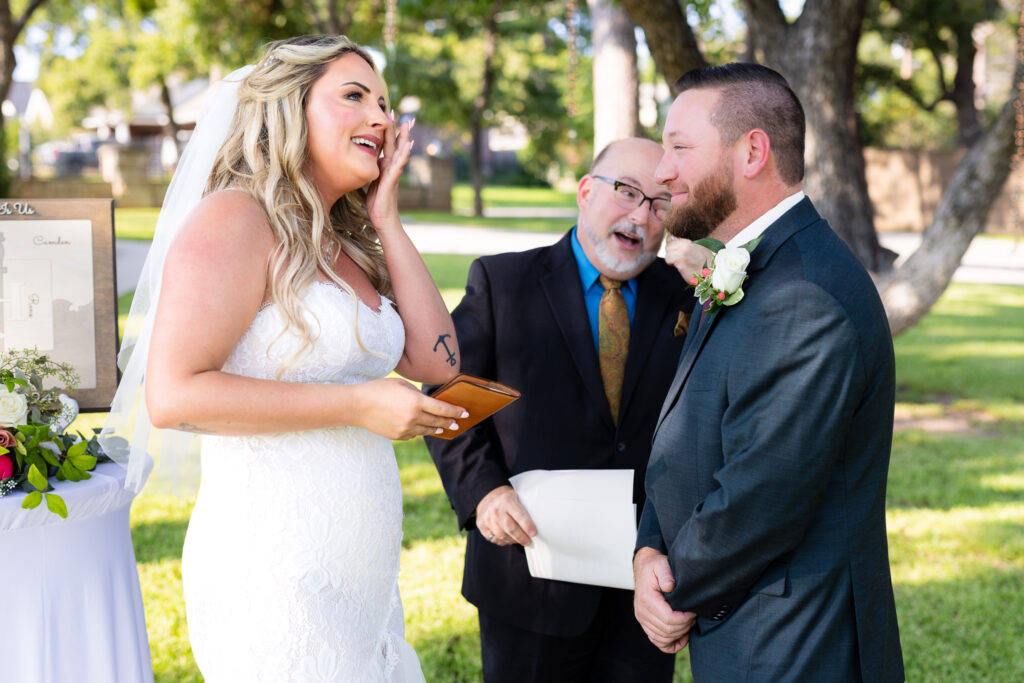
[186, 427]
[441, 342]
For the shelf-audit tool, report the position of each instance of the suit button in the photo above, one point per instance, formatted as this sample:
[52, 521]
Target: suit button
[621, 447]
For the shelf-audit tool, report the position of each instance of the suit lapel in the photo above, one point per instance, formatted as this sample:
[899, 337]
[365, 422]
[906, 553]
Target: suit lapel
[694, 343]
[564, 295]
[653, 299]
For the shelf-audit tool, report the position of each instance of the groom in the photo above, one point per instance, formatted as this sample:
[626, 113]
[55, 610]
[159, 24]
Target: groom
[765, 511]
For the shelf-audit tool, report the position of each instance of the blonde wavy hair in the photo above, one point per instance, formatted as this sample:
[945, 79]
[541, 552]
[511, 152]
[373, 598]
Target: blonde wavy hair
[265, 156]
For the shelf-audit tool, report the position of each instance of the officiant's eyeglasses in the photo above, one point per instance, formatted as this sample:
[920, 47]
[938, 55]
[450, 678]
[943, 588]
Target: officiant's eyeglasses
[630, 197]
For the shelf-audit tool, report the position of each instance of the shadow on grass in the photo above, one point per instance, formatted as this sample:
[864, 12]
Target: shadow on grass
[970, 343]
[963, 630]
[159, 540]
[455, 657]
[427, 517]
[943, 471]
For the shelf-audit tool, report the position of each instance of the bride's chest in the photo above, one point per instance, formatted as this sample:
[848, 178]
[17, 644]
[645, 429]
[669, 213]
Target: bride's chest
[347, 341]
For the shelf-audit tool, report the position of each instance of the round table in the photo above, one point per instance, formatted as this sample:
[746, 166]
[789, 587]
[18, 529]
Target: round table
[70, 604]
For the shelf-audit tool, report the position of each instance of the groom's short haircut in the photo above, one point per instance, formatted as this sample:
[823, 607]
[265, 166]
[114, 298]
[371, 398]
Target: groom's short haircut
[754, 96]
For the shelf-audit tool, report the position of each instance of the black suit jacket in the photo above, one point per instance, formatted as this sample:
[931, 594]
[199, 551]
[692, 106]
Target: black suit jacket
[523, 322]
[766, 485]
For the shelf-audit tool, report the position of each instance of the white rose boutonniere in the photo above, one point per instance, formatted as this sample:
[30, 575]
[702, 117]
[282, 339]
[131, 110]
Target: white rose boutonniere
[13, 408]
[720, 283]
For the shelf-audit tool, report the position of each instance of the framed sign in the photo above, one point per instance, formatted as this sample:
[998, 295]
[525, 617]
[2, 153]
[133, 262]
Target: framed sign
[58, 290]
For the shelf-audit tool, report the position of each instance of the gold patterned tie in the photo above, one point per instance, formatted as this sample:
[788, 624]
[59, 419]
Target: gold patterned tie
[613, 341]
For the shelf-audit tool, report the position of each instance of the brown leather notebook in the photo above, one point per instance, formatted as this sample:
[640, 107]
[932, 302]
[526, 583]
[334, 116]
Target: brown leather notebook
[480, 397]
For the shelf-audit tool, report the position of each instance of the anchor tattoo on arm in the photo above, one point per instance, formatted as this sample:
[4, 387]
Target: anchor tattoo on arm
[441, 342]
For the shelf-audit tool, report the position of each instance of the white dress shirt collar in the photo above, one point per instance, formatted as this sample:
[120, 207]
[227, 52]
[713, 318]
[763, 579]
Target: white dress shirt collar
[761, 224]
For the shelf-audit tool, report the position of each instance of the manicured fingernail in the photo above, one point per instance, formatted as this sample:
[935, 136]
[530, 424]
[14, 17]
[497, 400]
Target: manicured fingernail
[412, 122]
[464, 414]
[439, 430]
[391, 114]
[453, 426]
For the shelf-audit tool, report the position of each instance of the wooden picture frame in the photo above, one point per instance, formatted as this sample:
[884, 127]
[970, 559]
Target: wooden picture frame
[58, 288]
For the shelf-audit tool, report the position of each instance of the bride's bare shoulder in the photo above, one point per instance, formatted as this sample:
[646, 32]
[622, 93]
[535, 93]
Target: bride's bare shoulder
[223, 223]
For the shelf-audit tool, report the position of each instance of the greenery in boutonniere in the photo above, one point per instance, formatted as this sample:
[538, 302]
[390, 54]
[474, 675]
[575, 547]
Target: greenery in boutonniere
[33, 445]
[720, 283]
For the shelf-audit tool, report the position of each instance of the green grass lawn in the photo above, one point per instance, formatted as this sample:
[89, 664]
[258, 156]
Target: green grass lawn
[138, 224]
[955, 511]
[499, 195]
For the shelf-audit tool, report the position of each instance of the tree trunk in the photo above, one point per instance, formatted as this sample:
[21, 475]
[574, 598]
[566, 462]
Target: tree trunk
[969, 128]
[669, 38]
[10, 29]
[818, 56]
[476, 127]
[616, 84]
[910, 291]
[165, 97]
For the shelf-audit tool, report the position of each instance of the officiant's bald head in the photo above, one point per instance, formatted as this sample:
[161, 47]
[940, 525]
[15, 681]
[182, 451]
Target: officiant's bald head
[621, 208]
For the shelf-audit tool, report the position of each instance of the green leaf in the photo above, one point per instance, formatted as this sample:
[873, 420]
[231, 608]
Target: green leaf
[34, 459]
[733, 298]
[37, 478]
[32, 500]
[3, 450]
[749, 246]
[49, 457]
[710, 243]
[71, 472]
[56, 505]
[77, 449]
[83, 462]
[25, 431]
[20, 448]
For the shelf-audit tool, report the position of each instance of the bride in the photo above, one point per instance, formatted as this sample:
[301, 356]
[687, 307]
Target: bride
[289, 294]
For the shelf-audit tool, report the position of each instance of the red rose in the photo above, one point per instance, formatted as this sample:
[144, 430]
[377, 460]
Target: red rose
[705, 272]
[7, 439]
[694, 281]
[6, 466]
[721, 296]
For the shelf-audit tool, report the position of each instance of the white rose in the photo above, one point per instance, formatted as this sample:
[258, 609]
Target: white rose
[13, 408]
[730, 269]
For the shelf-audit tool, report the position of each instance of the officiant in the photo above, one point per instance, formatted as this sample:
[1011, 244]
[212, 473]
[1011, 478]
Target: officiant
[589, 330]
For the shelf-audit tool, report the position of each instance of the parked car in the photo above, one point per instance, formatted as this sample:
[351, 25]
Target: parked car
[69, 158]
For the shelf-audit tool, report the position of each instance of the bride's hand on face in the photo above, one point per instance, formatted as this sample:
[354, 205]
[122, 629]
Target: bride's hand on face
[395, 409]
[382, 196]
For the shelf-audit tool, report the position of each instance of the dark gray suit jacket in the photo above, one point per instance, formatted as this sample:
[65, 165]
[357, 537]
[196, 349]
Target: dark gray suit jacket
[523, 322]
[766, 484]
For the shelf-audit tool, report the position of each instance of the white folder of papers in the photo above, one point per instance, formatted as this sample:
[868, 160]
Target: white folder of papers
[586, 525]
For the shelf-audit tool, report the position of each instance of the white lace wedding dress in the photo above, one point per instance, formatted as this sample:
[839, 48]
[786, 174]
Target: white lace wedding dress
[290, 565]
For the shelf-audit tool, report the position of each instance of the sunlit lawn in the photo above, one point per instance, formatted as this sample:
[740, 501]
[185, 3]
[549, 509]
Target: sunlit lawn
[139, 223]
[956, 512]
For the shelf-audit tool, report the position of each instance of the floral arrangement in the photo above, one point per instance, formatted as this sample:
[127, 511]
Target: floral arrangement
[33, 445]
[720, 283]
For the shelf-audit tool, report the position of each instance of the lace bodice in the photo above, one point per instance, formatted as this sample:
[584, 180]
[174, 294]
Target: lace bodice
[290, 564]
[336, 357]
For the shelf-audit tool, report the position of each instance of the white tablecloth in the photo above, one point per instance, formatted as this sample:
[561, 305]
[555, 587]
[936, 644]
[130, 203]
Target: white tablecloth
[70, 603]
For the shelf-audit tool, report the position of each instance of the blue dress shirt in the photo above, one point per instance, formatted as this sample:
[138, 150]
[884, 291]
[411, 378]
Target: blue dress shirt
[592, 289]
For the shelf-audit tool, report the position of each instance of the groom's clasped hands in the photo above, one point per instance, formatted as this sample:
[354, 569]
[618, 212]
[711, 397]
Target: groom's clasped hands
[668, 629]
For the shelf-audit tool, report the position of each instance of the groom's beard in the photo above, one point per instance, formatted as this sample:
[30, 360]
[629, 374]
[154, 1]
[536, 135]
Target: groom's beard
[712, 200]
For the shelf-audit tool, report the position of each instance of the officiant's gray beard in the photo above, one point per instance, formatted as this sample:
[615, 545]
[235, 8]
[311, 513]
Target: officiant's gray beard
[609, 260]
[712, 200]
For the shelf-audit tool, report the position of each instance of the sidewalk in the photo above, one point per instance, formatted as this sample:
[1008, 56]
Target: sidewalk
[988, 260]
